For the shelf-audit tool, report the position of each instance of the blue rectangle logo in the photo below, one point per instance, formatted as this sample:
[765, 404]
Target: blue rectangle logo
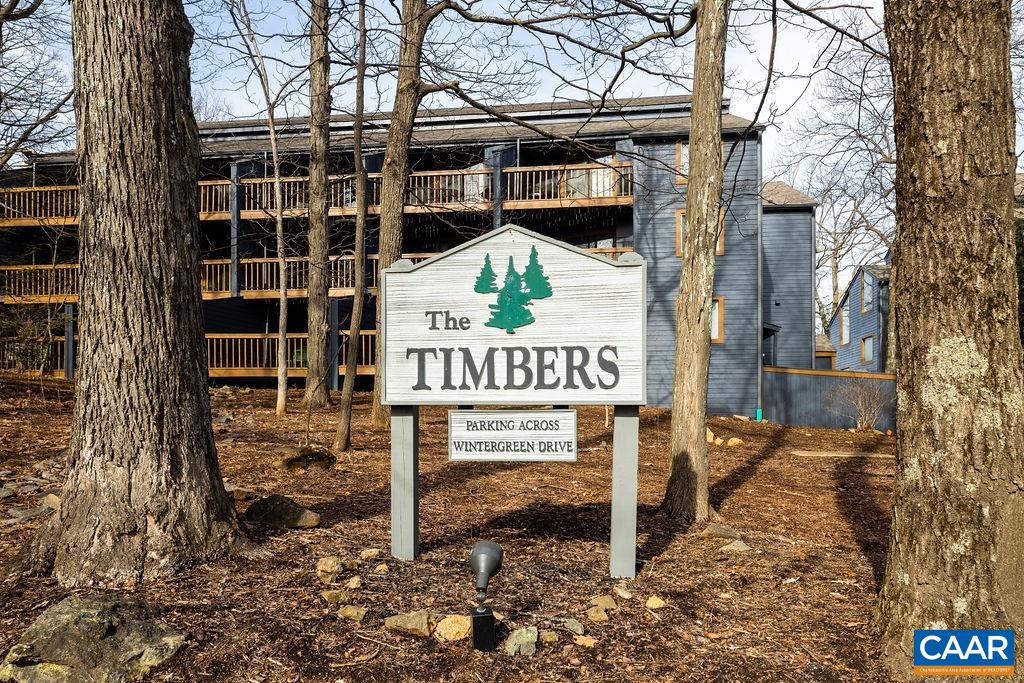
[953, 652]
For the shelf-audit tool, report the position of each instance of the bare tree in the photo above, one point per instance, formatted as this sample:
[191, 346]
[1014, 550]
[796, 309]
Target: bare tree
[143, 495]
[958, 525]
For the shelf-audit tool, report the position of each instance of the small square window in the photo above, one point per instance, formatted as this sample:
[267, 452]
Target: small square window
[867, 292]
[844, 324]
[867, 350]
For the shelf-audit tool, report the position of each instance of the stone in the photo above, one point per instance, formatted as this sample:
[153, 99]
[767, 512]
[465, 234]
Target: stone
[718, 530]
[414, 623]
[6, 493]
[654, 602]
[623, 593]
[304, 457]
[23, 514]
[355, 583]
[281, 512]
[381, 568]
[741, 418]
[605, 602]
[719, 441]
[548, 637]
[352, 613]
[597, 614]
[736, 546]
[734, 441]
[50, 500]
[573, 626]
[453, 627]
[328, 569]
[522, 641]
[100, 639]
[334, 597]
[369, 553]
[709, 435]
[585, 641]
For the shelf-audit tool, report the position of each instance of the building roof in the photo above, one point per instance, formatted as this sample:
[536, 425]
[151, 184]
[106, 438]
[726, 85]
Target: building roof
[778, 193]
[880, 271]
[823, 344]
[639, 117]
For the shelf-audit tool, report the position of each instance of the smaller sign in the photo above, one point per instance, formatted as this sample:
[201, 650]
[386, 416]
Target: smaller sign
[512, 435]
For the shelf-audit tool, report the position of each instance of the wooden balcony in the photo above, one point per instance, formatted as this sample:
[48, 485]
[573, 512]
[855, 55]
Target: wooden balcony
[534, 187]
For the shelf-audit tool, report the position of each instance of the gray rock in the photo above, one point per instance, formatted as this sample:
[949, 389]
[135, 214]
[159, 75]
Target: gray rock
[282, 512]
[573, 626]
[736, 546]
[522, 641]
[23, 514]
[5, 493]
[101, 639]
[717, 530]
[414, 623]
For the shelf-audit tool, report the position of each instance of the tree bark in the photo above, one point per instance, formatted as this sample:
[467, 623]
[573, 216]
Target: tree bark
[317, 391]
[409, 91]
[144, 495]
[686, 495]
[957, 542]
[343, 435]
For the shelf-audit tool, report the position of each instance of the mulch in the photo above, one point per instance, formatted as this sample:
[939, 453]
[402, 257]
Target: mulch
[796, 607]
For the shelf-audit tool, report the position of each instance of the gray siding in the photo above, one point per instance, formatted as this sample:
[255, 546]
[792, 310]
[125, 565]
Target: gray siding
[816, 400]
[862, 324]
[788, 283]
[735, 364]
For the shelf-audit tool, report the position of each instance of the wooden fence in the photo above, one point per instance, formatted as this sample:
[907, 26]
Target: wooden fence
[829, 398]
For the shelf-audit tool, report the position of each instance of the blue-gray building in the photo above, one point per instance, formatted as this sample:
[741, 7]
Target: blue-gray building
[610, 180]
[858, 329]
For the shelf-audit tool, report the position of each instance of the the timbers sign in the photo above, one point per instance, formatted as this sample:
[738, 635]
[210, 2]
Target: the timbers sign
[514, 318]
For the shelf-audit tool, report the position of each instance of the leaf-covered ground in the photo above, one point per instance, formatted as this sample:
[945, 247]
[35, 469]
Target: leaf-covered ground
[797, 606]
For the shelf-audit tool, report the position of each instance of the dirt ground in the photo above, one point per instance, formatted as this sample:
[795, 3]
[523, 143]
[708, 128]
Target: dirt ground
[796, 607]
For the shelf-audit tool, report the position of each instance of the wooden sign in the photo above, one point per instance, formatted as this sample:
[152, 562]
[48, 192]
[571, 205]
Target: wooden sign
[515, 318]
[512, 435]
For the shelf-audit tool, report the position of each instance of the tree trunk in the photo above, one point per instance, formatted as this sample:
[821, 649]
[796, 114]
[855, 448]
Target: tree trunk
[343, 435]
[144, 495]
[957, 542]
[686, 496]
[281, 406]
[416, 17]
[318, 364]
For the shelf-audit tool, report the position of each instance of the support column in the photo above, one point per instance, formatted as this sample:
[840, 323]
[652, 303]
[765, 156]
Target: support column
[236, 211]
[625, 446]
[405, 482]
[334, 341]
[69, 341]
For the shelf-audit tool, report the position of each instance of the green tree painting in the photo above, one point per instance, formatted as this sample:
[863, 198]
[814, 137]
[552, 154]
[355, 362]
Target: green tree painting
[537, 284]
[487, 280]
[510, 311]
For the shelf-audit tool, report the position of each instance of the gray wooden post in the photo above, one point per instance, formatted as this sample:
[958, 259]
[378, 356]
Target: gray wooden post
[625, 447]
[405, 482]
[69, 341]
[236, 206]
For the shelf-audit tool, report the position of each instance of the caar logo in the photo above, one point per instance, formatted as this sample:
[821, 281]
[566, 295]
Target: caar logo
[963, 652]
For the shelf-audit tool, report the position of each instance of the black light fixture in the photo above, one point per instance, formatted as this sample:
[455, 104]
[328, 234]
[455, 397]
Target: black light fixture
[485, 561]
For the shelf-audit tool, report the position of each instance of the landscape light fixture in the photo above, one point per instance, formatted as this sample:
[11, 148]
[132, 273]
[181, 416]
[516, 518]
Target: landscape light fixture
[485, 561]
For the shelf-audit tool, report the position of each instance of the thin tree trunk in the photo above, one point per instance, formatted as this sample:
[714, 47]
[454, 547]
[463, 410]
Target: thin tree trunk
[343, 436]
[281, 406]
[318, 364]
[686, 495]
[144, 496]
[957, 542]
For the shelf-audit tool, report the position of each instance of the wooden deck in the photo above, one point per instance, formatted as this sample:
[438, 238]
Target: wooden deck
[533, 187]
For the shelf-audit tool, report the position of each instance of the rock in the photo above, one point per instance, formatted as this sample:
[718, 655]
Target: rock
[328, 569]
[709, 435]
[597, 614]
[381, 568]
[719, 441]
[654, 602]
[718, 530]
[304, 457]
[50, 500]
[23, 514]
[334, 597]
[623, 593]
[522, 641]
[414, 623]
[369, 553]
[741, 418]
[355, 583]
[281, 512]
[736, 546]
[548, 637]
[605, 602]
[585, 641]
[352, 613]
[573, 626]
[5, 493]
[91, 639]
[453, 627]
[734, 441]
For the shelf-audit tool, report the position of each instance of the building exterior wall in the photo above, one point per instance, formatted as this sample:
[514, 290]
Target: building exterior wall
[788, 283]
[863, 323]
[735, 363]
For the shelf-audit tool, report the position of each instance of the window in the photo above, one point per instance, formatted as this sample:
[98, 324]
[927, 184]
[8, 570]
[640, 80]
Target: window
[682, 163]
[844, 324]
[681, 230]
[867, 292]
[717, 320]
[867, 350]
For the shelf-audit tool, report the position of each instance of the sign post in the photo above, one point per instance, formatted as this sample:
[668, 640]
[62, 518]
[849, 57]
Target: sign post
[519, 319]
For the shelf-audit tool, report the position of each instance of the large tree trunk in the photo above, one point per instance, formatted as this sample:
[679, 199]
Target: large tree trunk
[957, 543]
[416, 17]
[343, 435]
[144, 495]
[318, 364]
[686, 496]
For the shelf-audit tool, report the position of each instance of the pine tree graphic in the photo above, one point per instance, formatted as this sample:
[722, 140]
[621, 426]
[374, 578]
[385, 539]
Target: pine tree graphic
[487, 280]
[510, 312]
[537, 284]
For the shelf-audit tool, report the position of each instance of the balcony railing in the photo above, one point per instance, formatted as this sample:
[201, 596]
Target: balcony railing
[426, 191]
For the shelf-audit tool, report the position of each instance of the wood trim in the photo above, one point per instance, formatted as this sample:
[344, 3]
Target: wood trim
[863, 308]
[719, 245]
[680, 178]
[842, 317]
[720, 300]
[830, 373]
[863, 360]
